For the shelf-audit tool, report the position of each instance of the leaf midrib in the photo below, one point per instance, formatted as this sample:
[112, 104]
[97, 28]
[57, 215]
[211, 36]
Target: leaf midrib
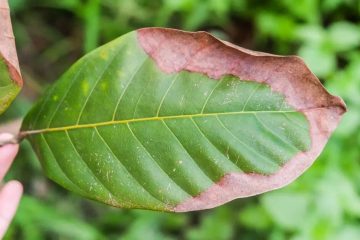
[156, 118]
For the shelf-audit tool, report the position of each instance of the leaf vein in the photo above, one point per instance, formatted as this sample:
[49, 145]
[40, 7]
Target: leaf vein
[125, 167]
[111, 194]
[62, 170]
[250, 96]
[293, 121]
[225, 155]
[127, 86]
[210, 94]
[166, 93]
[96, 84]
[276, 135]
[147, 151]
[245, 145]
[63, 98]
[195, 162]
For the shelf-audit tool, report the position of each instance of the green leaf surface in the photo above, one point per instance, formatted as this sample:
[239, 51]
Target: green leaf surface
[8, 89]
[280, 206]
[121, 129]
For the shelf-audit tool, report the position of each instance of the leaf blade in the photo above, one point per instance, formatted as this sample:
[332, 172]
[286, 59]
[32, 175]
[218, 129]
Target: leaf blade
[10, 76]
[185, 138]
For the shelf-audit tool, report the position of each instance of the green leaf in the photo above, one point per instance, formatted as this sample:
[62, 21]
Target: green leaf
[280, 206]
[10, 78]
[348, 232]
[218, 224]
[8, 89]
[38, 219]
[344, 36]
[322, 61]
[177, 121]
[255, 217]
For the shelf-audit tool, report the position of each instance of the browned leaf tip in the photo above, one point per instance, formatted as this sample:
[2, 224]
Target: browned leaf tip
[175, 50]
[7, 44]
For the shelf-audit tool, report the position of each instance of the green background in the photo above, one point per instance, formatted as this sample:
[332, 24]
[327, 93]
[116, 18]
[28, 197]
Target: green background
[324, 203]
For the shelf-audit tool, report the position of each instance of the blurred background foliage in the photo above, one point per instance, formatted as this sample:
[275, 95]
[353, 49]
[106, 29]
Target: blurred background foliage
[324, 203]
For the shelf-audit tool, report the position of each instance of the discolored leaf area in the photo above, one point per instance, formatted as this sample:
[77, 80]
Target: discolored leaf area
[10, 77]
[169, 120]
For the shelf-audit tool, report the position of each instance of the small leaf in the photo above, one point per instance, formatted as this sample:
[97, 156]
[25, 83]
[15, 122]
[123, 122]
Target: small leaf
[10, 77]
[322, 61]
[344, 36]
[178, 121]
[280, 206]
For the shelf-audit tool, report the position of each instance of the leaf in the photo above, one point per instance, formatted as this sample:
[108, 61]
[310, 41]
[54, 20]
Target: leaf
[37, 219]
[280, 206]
[344, 36]
[178, 121]
[10, 76]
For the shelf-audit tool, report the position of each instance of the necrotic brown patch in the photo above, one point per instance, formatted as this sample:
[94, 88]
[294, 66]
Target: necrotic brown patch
[7, 44]
[175, 50]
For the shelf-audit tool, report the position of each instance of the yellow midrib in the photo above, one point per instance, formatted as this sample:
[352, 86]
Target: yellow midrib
[127, 121]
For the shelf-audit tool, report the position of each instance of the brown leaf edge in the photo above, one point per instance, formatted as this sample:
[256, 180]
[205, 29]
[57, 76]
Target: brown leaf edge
[175, 50]
[7, 44]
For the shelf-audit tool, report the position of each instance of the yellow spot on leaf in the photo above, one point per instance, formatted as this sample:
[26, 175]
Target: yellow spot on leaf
[104, 55]
[85, 87]
[104, 86]
[119, 73]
